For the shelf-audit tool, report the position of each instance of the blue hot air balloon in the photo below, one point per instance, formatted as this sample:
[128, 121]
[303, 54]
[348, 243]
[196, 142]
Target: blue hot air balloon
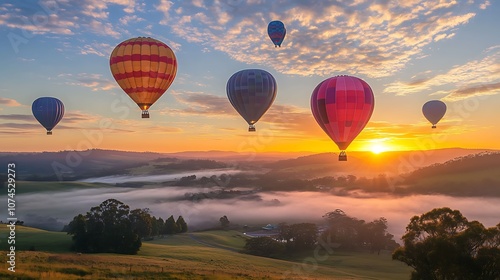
[48, 111]
[276, 31]
[433, 111]
[251, 92]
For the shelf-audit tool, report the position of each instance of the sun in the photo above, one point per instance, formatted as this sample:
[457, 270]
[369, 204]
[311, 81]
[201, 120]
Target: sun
[378, 148]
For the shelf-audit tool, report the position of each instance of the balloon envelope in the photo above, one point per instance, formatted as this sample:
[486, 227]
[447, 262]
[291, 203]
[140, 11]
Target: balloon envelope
[251, 92]
[48, 111]
[434, 111]
[342, 106]
[276, 31]
[144, 68]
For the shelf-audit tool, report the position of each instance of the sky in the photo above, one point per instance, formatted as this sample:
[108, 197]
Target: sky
[409, 52]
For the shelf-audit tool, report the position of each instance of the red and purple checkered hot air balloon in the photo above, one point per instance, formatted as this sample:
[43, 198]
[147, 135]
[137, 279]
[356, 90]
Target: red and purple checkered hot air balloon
[48, 111]
[144, 68]
[251, 92]
[342, 106]
[276, 31]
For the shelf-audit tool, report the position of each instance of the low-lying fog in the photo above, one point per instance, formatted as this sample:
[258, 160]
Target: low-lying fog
[58, 208]
[159, 178]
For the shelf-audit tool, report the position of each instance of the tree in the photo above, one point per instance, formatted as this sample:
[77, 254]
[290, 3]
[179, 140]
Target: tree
[181, 225]
[105, 228]
[155, 229]
[78, 228]
[224, 221]
[263, 246]
[347, 231]
[170, 225]
[141, 222]
[443, 244]
[161, 225]
[298, 237]
[377, 235]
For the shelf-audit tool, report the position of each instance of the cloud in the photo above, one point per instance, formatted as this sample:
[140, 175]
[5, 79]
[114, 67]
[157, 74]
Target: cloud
[375, 39]
[484, 5]
[130, 19]
[26, 59]
[64, 17]
[17, 117]
[203, 104]
[99, 49]
[95, 82]
[474, 78]
[9, 102]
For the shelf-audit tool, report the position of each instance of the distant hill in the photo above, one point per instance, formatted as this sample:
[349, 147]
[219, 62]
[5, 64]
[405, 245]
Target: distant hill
[472, 175]
[365, 164]
[71, 165]
[75, 165]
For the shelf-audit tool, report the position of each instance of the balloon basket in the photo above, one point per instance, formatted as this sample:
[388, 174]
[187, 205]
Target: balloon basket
[342, 156]
[433, 126]
[49, 132]
[251, 128]
[145, 114]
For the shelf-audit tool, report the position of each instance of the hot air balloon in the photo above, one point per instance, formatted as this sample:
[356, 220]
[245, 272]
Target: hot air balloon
[251, 92]
[433, 111]
[276, 31]
[48, 111]
[144, 68]
[342, 106]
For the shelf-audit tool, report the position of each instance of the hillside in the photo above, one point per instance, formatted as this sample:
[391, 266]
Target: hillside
[472, 175]
[71, 165]
[199, 255]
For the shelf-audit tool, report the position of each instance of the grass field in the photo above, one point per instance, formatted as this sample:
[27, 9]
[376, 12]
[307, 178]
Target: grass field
[198, 255]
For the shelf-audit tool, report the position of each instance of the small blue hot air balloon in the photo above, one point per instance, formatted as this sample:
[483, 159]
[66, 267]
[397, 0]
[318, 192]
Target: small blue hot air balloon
[251, 92]
[276, 31]
[433, 111]
[48, 111]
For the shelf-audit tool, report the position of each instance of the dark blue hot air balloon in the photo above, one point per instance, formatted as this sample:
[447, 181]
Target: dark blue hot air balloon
[434, 111]
[276, 31]
[48, 111]
[251, 92]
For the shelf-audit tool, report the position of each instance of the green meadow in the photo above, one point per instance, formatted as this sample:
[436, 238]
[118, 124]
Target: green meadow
[198, 255]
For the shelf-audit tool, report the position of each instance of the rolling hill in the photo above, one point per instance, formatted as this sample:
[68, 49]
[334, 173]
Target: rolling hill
[198, 255]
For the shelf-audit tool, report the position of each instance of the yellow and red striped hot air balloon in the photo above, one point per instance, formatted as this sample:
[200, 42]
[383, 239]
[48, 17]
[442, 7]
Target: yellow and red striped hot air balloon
[144, 68]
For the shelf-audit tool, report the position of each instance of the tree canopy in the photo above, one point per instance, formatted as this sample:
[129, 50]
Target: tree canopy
[112, 227]
[442, 244]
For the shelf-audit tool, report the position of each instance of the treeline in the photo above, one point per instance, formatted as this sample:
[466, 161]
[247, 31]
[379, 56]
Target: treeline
[351, 233]
[112, 227]
[342, 231]
[272, 182]
[190, 164]
[475, 184]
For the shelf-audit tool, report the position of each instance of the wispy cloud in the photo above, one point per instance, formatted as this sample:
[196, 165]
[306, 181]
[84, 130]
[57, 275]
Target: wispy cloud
[484, 5]
[474, 78]
[203, 104]
[99, 49]
[130, 19]
[9, 102]
[95, 82]
[67, 17]
[375, 39]
[17, 117]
